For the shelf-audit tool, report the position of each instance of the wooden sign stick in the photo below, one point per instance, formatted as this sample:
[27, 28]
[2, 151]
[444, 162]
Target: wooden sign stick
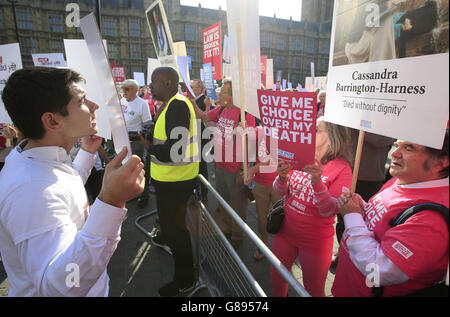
[242, 98]
[357, 160]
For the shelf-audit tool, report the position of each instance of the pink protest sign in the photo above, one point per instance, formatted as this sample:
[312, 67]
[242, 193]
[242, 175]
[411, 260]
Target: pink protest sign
[118, 74]
[290, 118]
[212, 49]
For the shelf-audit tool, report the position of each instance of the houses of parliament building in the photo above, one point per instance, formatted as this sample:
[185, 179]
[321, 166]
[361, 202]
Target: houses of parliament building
[292, 45]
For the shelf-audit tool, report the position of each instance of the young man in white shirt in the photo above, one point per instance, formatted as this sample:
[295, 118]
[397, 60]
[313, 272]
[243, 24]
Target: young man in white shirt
[137, 115]
[51, 243]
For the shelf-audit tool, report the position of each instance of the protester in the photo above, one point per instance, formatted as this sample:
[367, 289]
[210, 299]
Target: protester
[407, 257]
[371, 175]
[137, 116]
[310, 202]
[147, 96]
[7, 136]
[321, 104]
[263, 190]
[228, 168]
[51, 243]
[174, 172]
[203, 102]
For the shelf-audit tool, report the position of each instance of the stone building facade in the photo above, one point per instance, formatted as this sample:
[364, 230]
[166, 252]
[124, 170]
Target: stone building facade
[291, 44]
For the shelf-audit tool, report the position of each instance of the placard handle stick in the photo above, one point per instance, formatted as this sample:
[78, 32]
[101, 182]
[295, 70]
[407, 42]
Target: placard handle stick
[357, 159]
[242, 97]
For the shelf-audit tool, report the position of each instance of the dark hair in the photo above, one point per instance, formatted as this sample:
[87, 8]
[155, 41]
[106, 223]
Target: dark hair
[31, 92]
[441, 154]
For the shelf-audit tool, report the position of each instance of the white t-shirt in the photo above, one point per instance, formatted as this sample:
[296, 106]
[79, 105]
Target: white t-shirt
[136, 112]
[51, 245]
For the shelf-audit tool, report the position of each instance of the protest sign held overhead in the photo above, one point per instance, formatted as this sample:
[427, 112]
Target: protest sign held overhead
[10, 61]
[107, 87]
[79, 59]
[245, 53]
[159, 29]
[140, 78]
[269, 74]
[212, 49]
[209, 81]
[118, 73]
[153, 64]
[320, 83]
[49, 60]
[290, 118]
[263, 70]
[393, 88]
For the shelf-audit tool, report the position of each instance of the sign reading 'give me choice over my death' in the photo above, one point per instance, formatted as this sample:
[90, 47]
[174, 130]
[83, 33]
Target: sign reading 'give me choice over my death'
[290, 118]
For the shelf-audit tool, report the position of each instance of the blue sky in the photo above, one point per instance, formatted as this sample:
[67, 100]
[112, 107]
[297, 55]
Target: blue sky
[284, 9]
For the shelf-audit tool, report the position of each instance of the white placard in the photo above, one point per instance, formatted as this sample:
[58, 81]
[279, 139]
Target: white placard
[170, 61]
[226, 70]
[226, 50]
[183, 66]
[378, 91]
[320, 82]
[202, 74]
[107, 85]
[180, 50]
[140, 78]
[246, 14]
[79, 59]
[49, 60]
[153, 64]
[10, 61]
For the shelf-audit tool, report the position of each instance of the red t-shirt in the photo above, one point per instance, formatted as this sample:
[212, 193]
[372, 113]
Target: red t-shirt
[419, 247]
[151, 104]
[227, 144]
[2, 138]
[303, 224]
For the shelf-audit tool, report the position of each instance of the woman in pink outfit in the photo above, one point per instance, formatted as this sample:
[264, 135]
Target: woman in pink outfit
[310, 203]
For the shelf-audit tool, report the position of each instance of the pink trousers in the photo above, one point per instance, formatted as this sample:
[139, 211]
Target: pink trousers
[314, 265]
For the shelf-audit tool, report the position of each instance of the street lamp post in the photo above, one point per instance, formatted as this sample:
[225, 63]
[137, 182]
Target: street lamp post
[13, 3]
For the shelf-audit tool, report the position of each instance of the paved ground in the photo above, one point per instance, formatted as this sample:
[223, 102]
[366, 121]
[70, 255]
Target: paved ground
[138, 269]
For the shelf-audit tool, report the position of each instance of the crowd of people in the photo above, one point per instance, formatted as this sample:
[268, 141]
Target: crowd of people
[46, 225]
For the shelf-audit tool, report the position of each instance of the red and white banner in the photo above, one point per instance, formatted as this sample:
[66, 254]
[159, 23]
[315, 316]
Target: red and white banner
[118, 74]
[212, 49]
[264, 71]
[290, 118]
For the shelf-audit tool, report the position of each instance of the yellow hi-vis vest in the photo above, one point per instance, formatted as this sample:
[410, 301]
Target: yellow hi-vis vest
[187, 168]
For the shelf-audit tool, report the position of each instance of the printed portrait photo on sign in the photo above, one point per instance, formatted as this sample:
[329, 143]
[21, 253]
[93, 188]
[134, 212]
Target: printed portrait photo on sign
[159, 29]
[376, 30]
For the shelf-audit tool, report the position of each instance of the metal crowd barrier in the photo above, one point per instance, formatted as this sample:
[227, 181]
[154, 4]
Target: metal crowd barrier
[221, 270]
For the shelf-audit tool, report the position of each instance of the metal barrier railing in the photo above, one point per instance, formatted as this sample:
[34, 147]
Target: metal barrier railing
[220, 267]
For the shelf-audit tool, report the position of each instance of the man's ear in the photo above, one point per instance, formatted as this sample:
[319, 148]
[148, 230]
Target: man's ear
[51, 121]
[444, 161]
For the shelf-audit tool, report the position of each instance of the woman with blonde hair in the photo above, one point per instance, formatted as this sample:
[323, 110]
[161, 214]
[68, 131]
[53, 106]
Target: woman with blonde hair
[310, 203]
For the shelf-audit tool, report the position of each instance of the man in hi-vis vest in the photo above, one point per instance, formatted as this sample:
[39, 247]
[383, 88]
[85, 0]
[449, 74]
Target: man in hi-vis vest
[174, 170]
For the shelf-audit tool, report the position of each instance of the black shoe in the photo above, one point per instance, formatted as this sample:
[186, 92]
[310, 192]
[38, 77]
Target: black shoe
[158, 240]
[142, 202]
[173, 289]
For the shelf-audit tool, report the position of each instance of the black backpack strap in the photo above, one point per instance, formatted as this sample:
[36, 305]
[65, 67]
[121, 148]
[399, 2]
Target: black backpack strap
[406, 214]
